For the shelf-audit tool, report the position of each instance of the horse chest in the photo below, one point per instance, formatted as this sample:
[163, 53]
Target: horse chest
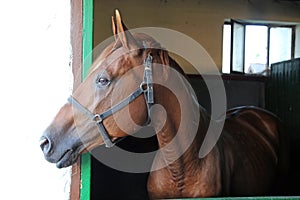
[161, 184]
[200, 179]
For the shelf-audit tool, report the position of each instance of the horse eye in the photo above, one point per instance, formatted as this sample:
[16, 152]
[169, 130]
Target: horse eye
[102, 81]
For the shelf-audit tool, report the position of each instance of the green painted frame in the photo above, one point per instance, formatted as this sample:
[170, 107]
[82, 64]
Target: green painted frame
[87, 47]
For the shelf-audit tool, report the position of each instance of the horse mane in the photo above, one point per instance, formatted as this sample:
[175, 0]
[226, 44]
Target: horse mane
[150, 42]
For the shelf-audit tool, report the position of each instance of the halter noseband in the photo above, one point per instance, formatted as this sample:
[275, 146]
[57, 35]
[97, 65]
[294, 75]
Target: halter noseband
[145, 87]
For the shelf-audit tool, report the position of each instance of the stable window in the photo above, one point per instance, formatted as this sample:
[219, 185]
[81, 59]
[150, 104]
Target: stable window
[252, 47]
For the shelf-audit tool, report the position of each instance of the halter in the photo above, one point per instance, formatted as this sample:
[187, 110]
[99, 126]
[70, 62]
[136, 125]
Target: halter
[145, 87]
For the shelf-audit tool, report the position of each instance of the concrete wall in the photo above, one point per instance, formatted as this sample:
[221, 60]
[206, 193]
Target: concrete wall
[200, 19]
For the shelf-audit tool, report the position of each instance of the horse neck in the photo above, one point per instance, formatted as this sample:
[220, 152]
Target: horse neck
[178, 139]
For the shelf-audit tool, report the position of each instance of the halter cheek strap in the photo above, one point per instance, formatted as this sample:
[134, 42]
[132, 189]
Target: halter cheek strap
[145, 87]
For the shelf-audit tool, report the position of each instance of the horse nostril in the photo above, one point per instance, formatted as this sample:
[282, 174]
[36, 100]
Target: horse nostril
[45, 145]
[43, 142]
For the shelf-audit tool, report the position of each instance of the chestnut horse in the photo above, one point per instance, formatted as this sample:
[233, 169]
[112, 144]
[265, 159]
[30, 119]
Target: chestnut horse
[245, 160]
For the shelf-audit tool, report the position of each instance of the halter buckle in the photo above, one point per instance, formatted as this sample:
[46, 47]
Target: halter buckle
[148, 79]
[144, 87]
[148, 62]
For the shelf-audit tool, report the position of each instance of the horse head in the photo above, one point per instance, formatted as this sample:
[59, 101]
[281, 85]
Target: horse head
[116, 88]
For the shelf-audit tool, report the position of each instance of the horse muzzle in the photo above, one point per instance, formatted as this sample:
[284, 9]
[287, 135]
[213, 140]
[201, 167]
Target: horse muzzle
[61, 155]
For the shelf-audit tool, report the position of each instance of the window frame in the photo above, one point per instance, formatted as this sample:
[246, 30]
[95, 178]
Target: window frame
[232, 55]
[257, 23]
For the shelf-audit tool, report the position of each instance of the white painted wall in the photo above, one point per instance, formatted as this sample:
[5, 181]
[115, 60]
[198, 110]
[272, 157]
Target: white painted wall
[35, 81]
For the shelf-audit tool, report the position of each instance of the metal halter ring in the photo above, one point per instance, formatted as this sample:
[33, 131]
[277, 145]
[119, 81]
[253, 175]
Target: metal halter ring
[144, 87]
[97, 118]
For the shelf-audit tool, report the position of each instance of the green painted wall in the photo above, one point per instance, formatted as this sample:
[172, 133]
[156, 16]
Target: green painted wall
[200, 19]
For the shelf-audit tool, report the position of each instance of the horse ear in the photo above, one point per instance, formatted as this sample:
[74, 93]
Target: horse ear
[121, 31]
[114, 28]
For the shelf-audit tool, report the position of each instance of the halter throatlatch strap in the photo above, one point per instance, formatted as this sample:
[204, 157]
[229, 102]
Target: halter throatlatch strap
[146, 87]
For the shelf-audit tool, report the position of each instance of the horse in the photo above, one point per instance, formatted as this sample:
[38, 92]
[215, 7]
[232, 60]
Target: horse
[122, 91]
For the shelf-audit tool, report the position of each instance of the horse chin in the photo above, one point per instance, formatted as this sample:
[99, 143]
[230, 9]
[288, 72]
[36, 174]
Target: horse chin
[68, 158]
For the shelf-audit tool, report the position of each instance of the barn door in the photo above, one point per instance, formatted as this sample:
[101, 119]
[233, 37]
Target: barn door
[82, 45]
[283, 97]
